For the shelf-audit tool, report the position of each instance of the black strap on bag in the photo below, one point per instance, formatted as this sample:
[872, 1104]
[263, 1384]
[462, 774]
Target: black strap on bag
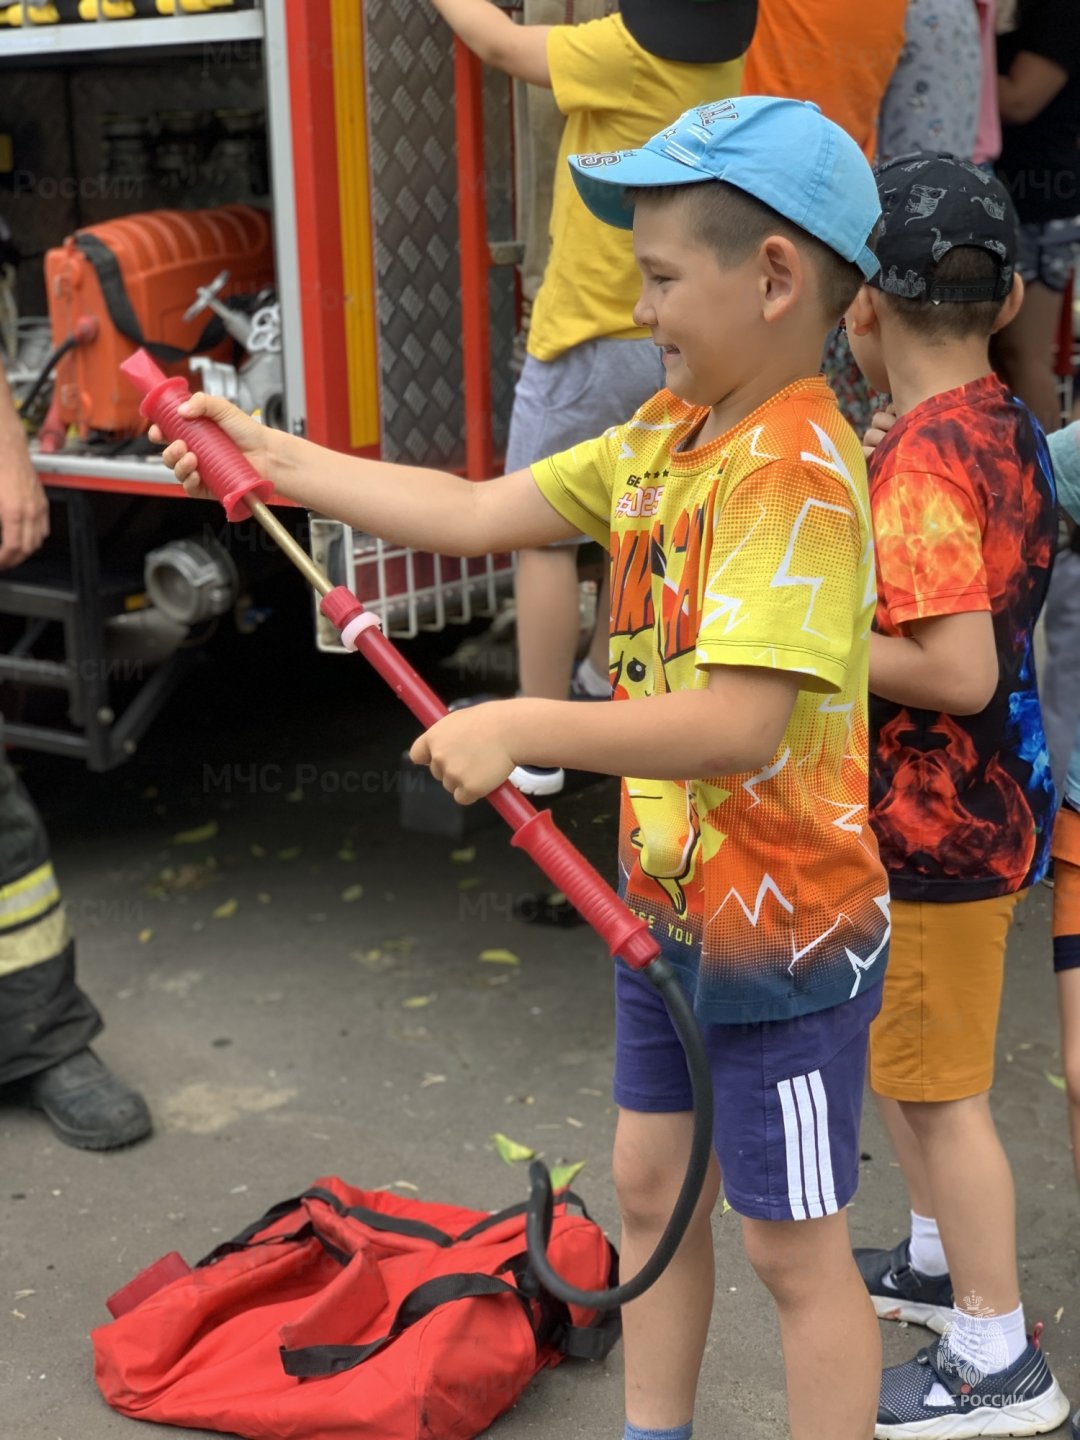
[114, 292]
[311, 1362]
[553, 1326]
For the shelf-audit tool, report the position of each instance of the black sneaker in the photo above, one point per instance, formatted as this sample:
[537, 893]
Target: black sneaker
[87, 1105]
[901, 1293]
[1024, 1399]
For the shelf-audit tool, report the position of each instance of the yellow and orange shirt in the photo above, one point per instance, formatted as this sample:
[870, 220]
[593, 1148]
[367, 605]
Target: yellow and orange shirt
[766, 889]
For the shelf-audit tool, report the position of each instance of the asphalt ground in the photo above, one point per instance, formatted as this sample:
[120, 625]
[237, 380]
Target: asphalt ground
[302, 992]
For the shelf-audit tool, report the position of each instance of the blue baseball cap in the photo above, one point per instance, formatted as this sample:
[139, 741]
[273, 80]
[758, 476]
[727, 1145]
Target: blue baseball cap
[784, 153]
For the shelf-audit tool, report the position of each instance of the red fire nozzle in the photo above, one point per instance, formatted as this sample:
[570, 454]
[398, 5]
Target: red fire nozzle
[223, 469]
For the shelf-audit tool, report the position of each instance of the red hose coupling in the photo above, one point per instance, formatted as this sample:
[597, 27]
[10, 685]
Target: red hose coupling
[340, 606]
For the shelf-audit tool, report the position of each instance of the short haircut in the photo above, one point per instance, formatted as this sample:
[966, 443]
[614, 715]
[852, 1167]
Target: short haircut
[952, 319]
[733, 224]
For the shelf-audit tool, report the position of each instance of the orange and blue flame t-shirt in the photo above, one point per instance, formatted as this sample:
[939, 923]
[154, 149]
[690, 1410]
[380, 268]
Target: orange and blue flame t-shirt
[765, 889]
[965, 517]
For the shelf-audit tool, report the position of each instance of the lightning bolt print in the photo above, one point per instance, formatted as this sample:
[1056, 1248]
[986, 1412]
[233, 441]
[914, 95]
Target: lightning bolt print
[784, 577]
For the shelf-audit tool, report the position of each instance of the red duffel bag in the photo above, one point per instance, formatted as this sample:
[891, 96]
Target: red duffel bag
[352, 1313]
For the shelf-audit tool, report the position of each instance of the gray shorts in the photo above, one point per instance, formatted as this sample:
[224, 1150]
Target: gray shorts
[559, 403]
[1049, 252]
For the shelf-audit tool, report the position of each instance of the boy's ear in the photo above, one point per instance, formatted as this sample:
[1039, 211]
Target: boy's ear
[1011, 307]
[782, 275]
[861, 314]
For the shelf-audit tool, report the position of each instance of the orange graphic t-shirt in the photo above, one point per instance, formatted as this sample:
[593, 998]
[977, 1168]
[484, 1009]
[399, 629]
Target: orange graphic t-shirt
[765, 889]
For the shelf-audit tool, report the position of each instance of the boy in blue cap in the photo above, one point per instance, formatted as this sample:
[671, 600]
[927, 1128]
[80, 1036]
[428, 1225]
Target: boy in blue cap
[734, 505]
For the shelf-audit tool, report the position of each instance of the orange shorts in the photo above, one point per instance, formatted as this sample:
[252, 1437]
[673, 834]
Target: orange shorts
[934, 1037]
[1066, 852]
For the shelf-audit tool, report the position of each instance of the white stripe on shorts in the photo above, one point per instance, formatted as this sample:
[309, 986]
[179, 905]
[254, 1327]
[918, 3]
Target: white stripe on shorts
[805, 1108]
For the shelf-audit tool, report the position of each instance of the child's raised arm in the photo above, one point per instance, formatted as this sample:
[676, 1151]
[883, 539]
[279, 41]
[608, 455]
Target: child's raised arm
[519, 50]
[405, 504]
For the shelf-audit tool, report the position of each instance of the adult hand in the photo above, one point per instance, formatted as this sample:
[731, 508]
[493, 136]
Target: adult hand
[249, 437]
[24, 507]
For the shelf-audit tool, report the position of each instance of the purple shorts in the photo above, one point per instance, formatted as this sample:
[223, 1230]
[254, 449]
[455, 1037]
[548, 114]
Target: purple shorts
[788, 1096]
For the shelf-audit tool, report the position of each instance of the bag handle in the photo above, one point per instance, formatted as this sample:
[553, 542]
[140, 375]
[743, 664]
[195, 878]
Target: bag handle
[317, 1361]
[123, 316]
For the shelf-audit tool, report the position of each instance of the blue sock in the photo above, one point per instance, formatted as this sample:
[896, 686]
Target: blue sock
[681, 1432]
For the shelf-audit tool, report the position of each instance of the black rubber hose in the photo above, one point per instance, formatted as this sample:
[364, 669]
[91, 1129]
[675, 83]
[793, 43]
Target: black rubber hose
[51, 361]
[541, 1200]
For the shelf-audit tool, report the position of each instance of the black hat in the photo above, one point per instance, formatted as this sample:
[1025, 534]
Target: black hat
[932, 204]
[703, 32]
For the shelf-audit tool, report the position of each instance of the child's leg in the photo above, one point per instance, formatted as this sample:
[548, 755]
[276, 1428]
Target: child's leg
[973, 1200]
[1067, 958]
[600, 646]
[932, 1050]
[548, 620]
[808, 1268]
[664, 1332]
[1068, 982]
[909, 1152]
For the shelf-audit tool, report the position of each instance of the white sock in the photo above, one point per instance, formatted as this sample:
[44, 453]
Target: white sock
[590, 679]
[981, 1345]
[927, 1254]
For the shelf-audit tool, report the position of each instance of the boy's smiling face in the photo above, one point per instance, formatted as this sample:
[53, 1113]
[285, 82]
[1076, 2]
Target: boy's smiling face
[701, 314]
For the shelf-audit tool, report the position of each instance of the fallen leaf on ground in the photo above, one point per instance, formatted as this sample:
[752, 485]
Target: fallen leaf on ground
[25, 1295]
[417, 1002]
[352, 892]
[145, 936]
[562, 1175]
[226, 910]
[465, 856]
[1057, 1313]
[347, 853]
[290, 853]
[499, 957]
[724, 1206]
[470, 882]
[403, 943]
[432, 1080]
[405, 1185]
[198, 836]
[1058, 1081]
[577, 1124]
[509, 1150]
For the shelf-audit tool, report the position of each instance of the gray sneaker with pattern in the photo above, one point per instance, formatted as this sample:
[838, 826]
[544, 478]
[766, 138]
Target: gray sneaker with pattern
[1024, 1399]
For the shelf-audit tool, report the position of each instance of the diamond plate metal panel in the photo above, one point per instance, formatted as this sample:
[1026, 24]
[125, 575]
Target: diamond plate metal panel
[410, 84]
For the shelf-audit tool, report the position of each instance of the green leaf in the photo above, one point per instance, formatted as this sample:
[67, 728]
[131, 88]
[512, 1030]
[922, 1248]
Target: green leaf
[198, 836]
[562, 1175]
[470, 882]
[499, 957]
[464, 856]
[352, 892]
[290, 854]
[226, 910]
[510, 1151]
[417, 1002]
[1058, 1081]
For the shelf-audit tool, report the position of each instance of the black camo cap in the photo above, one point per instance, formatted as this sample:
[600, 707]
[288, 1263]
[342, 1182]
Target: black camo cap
[932, 204]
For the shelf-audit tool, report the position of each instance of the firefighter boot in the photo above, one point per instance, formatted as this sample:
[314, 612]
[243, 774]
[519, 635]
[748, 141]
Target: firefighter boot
[87, 1105]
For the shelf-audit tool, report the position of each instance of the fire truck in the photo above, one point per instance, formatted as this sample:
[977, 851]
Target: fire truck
[306, 205]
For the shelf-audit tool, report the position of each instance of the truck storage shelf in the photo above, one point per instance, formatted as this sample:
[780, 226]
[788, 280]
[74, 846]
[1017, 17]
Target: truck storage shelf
[68, 42]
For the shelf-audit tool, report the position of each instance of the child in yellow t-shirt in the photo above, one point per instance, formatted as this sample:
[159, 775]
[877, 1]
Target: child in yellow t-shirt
[735, 507]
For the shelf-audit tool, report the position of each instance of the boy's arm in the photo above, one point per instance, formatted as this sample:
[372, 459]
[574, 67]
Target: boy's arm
[519, 50]
[1032, 82]
[733, 726]
[1065, 453]
[405, 504]
[947, 663]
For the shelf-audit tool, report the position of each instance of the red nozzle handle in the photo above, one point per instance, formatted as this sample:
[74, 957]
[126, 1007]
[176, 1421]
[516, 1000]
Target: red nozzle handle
[625, 933]
[222, 467]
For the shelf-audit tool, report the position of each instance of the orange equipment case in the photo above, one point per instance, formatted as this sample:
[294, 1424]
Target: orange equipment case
[136, 277]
